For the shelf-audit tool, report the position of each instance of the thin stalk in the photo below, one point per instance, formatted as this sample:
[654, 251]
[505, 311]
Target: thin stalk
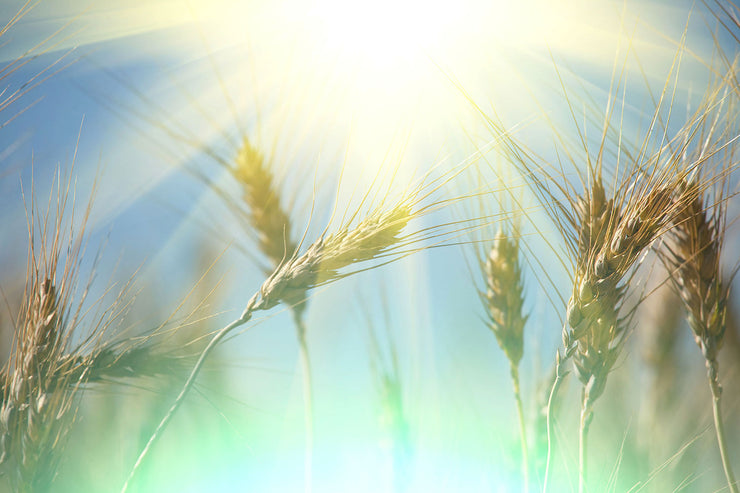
[586, 416]
[522, 428]
[246, 315]
[559, 376]
[720, 428]
[307, 401]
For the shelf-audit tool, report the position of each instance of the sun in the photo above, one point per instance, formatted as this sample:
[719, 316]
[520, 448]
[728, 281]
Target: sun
[387, 34]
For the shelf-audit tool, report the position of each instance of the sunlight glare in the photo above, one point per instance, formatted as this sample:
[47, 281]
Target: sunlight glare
[388, 33]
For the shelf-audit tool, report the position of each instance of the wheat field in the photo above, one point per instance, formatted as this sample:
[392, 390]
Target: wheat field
[401, 246]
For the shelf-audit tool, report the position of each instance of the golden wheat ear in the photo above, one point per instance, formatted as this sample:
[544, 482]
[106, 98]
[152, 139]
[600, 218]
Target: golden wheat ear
[63, 343]
[266, 215]
[35, 404]
[40, 395]
[323, 262]
[295, 275]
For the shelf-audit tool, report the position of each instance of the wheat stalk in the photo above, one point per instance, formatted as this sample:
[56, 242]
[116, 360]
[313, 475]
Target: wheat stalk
[503, 299]
[393, 415]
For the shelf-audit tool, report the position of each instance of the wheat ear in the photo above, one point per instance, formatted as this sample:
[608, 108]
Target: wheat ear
[611, 241]
[39, 391]
[503, 299]
[694, 254]
[35, 404]
[266, 216]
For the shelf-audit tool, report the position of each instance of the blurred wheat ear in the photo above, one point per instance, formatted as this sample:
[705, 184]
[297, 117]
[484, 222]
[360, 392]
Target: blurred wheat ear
[266, 215]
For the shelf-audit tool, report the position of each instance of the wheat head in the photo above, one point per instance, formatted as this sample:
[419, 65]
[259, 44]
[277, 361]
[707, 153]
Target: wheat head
[504, 297]
[267, 217]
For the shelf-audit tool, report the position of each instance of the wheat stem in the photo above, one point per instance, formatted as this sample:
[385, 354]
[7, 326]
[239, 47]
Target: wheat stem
[559, 376]
[720, 429]
[307, 400]
[272, 226]
[586, 415]
[246, 315]
[719, 426]
[522, 428]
